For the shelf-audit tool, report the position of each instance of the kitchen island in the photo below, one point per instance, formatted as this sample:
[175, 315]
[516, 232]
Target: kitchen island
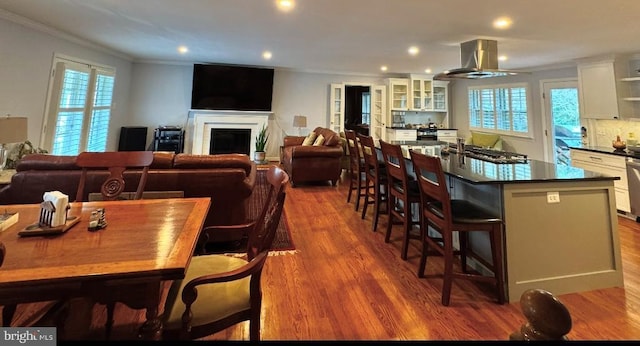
[560, 222]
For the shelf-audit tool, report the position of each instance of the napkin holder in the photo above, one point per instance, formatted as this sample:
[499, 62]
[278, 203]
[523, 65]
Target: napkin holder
[43, 227]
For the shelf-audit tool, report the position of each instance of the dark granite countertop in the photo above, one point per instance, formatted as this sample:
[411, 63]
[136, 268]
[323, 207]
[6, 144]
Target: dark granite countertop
[477, 171]
[609, 150]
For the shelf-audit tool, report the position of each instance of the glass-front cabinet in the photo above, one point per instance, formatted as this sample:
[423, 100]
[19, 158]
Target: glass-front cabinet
[421, 93]
[336, 108]
[440, 95]
[398, 93]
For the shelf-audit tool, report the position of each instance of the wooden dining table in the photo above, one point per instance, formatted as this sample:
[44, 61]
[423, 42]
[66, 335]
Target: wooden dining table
[144, 243]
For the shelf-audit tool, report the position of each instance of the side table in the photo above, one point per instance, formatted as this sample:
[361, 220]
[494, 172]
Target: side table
[5, 177]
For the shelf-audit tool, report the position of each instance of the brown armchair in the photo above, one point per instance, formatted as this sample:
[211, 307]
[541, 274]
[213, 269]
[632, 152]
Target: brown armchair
[306, 163]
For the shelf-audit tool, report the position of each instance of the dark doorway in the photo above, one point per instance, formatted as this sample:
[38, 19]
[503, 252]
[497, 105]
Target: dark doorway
[356, 117]
[230, 141]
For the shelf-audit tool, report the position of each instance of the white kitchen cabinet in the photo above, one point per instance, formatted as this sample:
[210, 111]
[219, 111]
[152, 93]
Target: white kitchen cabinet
[398, 93]
[601, 90]
[428, 94]
[440, 95]
[609, 164]
[447, 135]
[402, 134]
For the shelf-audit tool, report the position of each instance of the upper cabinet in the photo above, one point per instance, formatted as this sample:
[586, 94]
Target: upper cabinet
[398, 93]
[601, 90]
[427, 94]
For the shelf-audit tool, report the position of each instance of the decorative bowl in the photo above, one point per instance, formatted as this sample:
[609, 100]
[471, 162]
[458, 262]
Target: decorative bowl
[619, 145]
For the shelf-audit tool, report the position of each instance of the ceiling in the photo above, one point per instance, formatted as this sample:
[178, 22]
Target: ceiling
[342, 36]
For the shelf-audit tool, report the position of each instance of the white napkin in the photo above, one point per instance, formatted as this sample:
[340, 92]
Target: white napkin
[60, 202]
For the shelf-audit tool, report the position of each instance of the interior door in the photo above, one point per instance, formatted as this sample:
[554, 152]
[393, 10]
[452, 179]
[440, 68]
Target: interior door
[562, 118]
[336, 107]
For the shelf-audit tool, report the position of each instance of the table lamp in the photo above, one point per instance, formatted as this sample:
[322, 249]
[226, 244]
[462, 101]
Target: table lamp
[299, 121]
[12, 130]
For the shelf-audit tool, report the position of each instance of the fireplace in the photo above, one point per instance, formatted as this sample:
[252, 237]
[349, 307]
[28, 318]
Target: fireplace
[200, 123]
[230, 141]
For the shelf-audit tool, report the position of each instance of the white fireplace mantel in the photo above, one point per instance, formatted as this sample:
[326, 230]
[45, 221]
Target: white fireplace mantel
[202, 121]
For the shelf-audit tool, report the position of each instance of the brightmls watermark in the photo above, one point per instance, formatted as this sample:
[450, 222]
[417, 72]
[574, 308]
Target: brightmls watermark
[28, 336]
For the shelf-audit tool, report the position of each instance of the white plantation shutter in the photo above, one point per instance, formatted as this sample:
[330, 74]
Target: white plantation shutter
[80, 108]
[500, 109]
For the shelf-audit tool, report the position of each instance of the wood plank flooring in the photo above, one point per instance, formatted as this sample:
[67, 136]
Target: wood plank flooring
[346, 283]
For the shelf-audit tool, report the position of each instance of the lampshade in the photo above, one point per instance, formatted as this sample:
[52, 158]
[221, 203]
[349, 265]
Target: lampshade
[299, 121]
[13, 129]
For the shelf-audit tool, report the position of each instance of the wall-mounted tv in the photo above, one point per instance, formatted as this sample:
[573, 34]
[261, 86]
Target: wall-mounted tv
[231, 87]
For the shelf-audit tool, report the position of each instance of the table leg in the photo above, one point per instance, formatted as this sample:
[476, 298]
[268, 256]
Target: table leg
[151, 329]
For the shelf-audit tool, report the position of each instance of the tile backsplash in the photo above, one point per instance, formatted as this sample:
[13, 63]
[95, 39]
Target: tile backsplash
[607, 130]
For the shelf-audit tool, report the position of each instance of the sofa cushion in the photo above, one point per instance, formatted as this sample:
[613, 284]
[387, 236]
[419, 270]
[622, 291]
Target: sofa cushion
[42, 162]
[213, 161]
[310, 139]
[162, 159]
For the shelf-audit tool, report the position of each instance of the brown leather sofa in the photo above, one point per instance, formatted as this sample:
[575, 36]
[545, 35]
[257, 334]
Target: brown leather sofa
[307, 163]
[228, 179]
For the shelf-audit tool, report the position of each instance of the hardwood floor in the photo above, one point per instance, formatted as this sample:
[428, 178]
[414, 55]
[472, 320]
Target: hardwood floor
[346, 283]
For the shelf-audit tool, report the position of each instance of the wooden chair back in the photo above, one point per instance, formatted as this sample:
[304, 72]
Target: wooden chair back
[396, 168]
[116, 162]
[264, 231]
[372, 164]
[354, 151]
[433, 188]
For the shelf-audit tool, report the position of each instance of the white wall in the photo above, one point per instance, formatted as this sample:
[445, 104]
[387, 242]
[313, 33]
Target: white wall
[161, 95]
[533, 147]
[26, 56]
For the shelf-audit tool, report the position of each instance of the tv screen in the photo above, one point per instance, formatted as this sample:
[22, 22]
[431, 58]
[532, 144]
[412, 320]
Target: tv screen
[229, 87]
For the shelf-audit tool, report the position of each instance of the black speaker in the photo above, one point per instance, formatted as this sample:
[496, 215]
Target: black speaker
[133, 139]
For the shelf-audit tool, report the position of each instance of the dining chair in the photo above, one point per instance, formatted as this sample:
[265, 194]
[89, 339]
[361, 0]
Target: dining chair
[116, 162]
[377, 185]
[444, 216]
[358, 180]
[221, 290]
[403, 194]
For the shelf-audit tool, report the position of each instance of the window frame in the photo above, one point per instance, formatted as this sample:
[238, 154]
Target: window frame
[63, 62]
[495, 88]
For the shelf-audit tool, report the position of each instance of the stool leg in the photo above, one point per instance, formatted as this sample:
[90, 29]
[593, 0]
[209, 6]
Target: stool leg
[496, 253]
[387, 237]
[406, 210]
[463, 238]
[448, 267]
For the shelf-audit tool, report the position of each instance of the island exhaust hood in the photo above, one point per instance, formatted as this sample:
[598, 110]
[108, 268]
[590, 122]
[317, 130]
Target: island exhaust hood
[479, 59]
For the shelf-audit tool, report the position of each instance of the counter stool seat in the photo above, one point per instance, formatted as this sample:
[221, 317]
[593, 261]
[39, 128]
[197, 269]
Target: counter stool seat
[444, 216]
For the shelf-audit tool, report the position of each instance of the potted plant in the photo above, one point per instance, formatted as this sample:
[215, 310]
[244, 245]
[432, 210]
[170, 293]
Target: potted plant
[261, 143]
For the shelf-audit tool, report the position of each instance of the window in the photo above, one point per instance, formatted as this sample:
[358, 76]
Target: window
[501, 109]
[80, 107]
[366, 108]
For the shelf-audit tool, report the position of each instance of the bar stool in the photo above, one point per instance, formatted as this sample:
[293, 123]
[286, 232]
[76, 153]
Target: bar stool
[377, 184]
[357, 181]
[403, 193]
[445, 216]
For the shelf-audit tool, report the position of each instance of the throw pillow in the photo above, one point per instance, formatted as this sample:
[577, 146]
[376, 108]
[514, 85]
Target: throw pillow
[319, 141]
[310, 139]
[485, 140]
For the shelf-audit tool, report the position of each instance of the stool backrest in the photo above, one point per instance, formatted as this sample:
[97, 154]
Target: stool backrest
[369, 154]
[433, 186]
[396, 166]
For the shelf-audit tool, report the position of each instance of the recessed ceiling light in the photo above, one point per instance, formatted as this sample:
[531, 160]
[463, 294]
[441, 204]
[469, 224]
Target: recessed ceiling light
[502, 23]
[285, 5]
[266, 55]
[183, 50]
[427, 70]
[502, 58]
[383, 68]
[413, 50]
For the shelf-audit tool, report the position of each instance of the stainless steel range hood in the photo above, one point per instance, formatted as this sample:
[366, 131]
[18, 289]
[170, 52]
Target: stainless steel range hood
[479, 59]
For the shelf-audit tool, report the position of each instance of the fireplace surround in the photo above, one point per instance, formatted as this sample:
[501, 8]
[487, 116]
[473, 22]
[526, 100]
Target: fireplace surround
[200, 123]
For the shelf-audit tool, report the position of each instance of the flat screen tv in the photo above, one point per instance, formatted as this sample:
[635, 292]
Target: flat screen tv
[231, 87]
